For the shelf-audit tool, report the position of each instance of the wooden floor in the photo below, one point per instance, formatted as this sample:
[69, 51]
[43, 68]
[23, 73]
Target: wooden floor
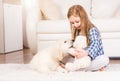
[21, 56]
[24, 56]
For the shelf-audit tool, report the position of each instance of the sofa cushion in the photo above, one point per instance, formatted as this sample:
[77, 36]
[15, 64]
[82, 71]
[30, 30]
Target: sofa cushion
[53, 26]
[63, 26]
[64, 5]
[45, 40]
[111, 47]
[110, 35]
[56, 9]
[107, 25]
[104, 8]
[50, 10]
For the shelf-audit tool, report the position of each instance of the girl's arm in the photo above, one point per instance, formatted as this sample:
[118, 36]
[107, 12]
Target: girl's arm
[95, 48]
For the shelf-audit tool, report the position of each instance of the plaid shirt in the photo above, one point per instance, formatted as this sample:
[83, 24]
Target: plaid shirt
[95, 48]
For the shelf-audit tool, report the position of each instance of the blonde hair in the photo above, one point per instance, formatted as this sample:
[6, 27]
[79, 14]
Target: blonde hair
[78, 10]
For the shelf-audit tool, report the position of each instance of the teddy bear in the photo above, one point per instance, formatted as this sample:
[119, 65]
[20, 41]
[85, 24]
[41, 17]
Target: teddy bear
[78, 63]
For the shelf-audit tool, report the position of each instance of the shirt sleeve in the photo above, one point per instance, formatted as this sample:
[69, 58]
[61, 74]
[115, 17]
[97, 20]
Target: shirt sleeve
[93, 48]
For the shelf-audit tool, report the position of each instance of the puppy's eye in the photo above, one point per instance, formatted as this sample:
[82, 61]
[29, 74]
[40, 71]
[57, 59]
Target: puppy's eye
[65, 41]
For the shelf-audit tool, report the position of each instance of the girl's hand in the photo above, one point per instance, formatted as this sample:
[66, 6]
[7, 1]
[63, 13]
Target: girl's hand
[81, 53]
[78, 53]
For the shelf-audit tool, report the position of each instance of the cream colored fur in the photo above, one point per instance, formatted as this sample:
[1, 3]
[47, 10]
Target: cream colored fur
[80, 42]
[47, 60]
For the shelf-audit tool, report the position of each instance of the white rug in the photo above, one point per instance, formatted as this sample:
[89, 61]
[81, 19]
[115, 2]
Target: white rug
[22, 72]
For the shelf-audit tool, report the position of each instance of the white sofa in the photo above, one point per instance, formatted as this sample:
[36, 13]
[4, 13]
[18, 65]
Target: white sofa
[54, 25]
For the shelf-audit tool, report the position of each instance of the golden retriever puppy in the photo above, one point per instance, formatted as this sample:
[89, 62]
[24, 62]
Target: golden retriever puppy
[47, 60]
[79, 63]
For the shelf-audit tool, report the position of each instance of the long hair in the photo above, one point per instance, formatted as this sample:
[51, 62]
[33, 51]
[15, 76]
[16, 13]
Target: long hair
[78, 10]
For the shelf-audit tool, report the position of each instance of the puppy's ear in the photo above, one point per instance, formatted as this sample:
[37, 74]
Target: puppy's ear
[59, 54]
[65, 41]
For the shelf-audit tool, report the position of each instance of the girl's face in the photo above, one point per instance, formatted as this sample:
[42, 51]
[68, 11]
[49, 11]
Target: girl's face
[75, 21]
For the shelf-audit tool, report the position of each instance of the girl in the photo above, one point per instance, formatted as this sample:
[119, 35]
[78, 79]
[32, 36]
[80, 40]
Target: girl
[81, 25]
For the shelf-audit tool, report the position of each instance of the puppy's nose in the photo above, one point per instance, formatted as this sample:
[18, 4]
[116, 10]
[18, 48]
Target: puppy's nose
[65, 41]
[71, 46]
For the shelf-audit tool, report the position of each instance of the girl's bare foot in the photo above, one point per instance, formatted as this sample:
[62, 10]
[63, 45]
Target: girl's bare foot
[101, 69]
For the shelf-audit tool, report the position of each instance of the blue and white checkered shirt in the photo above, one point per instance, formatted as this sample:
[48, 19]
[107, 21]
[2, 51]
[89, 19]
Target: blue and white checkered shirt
[95, 47]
